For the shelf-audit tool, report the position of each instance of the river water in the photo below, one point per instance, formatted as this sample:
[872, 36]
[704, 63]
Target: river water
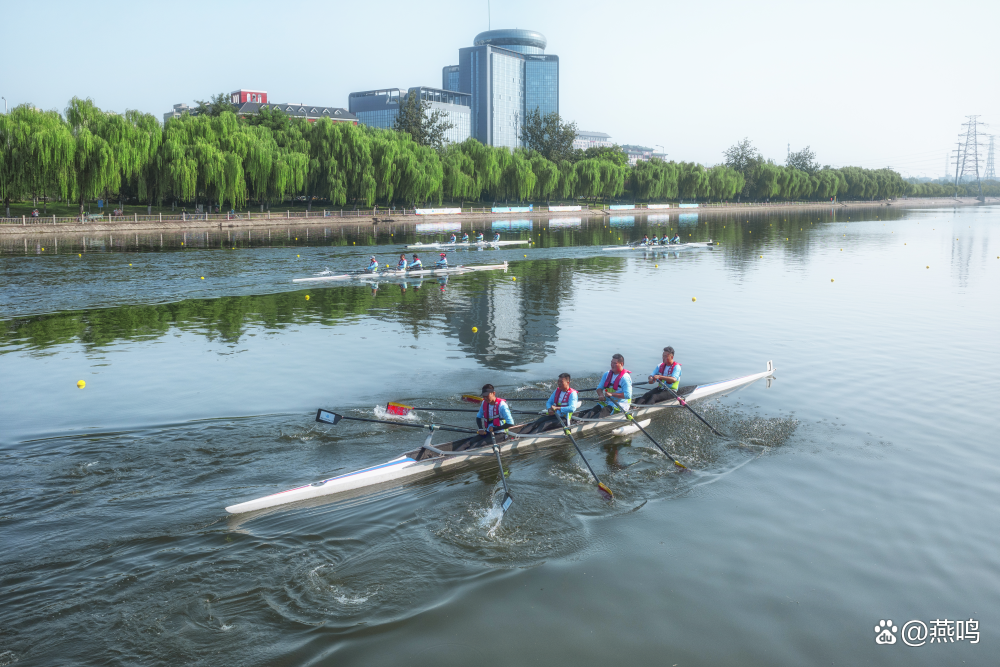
[859, 486]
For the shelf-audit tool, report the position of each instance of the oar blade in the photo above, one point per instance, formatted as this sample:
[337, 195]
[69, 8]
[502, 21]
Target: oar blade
[507, 501]
[605, 491]
[328, 417]
[399, 409]
[472, 398]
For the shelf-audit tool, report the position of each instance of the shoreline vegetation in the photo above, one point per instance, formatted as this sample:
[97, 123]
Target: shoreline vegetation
[216, 161]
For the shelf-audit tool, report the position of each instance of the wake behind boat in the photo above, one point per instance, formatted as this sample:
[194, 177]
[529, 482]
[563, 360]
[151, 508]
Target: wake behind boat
[467, 244]
[394, 274]
[431, 459]
[669, 247]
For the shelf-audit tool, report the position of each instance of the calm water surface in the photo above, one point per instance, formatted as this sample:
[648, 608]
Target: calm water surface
[860, 486]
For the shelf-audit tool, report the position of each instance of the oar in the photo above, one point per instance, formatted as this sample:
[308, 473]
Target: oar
[334, 418]
[395, 408]
[684, 403]
[602, 487]
[632, 419]
[508, 499]
[473, 398]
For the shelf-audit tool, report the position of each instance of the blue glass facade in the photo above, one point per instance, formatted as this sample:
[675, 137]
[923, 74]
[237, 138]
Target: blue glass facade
[541, 84]
[375, 108]
[449, 77]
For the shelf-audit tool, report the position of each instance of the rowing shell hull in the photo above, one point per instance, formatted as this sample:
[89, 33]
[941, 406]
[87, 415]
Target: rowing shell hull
[669, 248]
[402, 275]
[406, 468]
[470, 244]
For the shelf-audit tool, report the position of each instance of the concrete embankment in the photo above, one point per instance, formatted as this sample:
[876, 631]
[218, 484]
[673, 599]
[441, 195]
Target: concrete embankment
[151, 223]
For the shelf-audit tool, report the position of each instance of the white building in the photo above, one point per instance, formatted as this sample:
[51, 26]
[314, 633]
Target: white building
[585, 140]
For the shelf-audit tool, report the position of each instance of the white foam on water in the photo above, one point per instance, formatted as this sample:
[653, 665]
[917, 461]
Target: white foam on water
[381, 413]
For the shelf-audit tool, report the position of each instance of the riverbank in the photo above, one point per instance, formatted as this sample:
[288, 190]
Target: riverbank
[381, 216]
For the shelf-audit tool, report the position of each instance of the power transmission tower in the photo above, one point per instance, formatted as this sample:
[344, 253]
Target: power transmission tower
[969, 150]
[991, 174]
[958, 165]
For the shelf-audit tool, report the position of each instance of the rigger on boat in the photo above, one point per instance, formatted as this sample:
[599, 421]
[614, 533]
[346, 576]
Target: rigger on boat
[546, 430]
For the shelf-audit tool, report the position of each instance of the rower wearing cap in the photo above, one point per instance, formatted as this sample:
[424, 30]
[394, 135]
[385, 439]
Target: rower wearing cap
[494, 415]
[401, 265]
[453, 239]
[667, 374]
[372, 265]
[479, 237]
[564, 399]
[465, 237]
[442, 262]
[496, 237]
[416, 264]
[616, 383]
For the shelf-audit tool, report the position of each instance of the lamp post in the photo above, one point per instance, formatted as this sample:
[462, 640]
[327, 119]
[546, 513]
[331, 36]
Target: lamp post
[4, 104]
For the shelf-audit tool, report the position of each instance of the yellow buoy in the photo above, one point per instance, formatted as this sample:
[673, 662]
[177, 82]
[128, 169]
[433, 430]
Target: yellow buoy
[298, 255]
[43, 248]
[81, 384]
[762, 256]
[656, 266]
[79, 254]
[831, 280]
[475, 329]
[525, 255]
[928, 267]
[307, 297]
[514, 278]
[203, 277]
[130, 265]
[694, 298]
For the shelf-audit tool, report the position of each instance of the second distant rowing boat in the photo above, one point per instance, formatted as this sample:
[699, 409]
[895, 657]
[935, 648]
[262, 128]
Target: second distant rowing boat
[392, 274]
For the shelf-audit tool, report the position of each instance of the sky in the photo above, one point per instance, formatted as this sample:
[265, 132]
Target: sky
[870, 83]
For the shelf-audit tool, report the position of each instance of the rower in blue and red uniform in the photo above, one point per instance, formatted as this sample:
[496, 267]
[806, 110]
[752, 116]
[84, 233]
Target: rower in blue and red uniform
[416, 264]
[401, 265]
[442, 262]
[453, 239]
[465, 237]
[676, 239]
[479, 237]
[496, 237]
[667, 374]
[564, 399]
[372, 265]
[494, 415]
[616, 383]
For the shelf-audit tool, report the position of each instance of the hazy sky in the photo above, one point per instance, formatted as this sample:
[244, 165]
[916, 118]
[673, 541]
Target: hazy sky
[870, 83]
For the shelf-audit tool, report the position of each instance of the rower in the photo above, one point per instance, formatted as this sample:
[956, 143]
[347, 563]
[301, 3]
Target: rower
[493, 415]
[564, 399]
[465, 237]
[401, 266]
[645, 240]
[372, 265]
[479, 237]
[676, 238]
[416, 264]
[664, 240]
[442, 262]
[667, 374]
[496, 237]
[453, 239]
[616, 383]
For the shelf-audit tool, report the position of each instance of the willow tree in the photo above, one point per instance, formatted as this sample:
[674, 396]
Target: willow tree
[36, 155]
[546, 176]
[459, 175]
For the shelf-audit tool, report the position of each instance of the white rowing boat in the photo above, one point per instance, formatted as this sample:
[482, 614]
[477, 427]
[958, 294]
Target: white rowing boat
[541, 432]
[393, 274]
[666, 248]
[470, 244]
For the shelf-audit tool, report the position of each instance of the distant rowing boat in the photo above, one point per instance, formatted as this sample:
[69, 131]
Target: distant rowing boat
[544, 431]
[668, 247]
[460, 244]
[393, 274]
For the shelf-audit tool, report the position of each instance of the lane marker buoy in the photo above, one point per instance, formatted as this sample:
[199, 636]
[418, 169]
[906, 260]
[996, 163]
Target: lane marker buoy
[81, 384]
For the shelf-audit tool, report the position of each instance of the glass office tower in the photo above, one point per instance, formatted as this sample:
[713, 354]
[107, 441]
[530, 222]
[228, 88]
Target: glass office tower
[507, 74]
[379, 108]
[375, 108]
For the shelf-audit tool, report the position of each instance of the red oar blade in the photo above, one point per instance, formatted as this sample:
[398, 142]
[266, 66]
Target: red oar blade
[605, 491]
[398, 409]
[472, 398]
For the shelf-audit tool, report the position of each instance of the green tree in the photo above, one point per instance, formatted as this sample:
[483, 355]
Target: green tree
[425, 127]
[215, 106]
[747, 160]
[803, 160]
[548, 135]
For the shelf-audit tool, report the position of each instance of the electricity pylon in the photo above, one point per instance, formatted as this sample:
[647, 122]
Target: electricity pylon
[969, 154]
[991, 174]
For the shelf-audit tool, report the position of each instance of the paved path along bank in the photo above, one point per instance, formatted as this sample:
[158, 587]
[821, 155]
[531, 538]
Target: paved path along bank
[146, 223]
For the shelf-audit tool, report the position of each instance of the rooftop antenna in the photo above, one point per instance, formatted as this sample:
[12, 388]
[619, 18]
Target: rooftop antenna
[489, 16]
